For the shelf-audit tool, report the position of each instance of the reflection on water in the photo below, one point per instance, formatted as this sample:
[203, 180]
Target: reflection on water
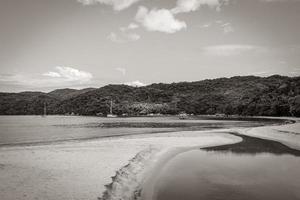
[252, 145]
[269, 170]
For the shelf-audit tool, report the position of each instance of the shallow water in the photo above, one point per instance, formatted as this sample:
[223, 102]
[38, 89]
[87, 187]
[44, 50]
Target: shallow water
[255, 169]
[37, 129]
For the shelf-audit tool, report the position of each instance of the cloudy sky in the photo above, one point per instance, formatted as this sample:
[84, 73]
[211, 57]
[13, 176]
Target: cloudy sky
[47, 44]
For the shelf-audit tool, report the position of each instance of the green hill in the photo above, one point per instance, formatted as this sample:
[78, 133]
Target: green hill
[241, 95]
[68, 93]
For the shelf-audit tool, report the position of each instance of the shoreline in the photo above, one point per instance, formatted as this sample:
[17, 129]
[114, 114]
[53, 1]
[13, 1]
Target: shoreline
[287, 134]
[278, 147]
[162, 157]
[193, 126]
[81, 169]
[157, 156]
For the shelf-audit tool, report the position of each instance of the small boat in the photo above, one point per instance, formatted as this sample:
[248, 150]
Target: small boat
[111, 116]
[183, 116]
[44, 110]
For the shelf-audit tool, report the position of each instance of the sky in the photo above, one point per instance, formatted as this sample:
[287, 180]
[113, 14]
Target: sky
[50, 44]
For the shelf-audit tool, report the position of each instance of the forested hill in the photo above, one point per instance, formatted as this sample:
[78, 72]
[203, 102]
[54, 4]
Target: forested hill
[242, 95]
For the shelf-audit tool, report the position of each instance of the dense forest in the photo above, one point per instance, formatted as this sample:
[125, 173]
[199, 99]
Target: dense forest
[241, 95]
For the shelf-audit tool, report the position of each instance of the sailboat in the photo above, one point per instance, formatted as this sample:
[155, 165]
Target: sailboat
[111, 115]
[45, 110]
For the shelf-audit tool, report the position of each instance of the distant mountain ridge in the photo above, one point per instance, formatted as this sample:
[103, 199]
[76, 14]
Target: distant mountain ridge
[241, 95]
[68, 93]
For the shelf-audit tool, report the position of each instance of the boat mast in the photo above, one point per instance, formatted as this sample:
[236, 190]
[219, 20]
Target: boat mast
[111, 104]
[45, 109]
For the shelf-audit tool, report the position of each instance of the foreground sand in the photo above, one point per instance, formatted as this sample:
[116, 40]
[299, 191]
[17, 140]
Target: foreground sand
[286, 134]
[79, 170]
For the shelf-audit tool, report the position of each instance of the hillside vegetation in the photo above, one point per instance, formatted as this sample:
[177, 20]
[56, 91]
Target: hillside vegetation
[248, 95]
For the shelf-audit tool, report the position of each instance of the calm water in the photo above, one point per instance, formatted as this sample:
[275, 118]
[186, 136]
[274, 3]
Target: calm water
[252, 170]
[37, 129]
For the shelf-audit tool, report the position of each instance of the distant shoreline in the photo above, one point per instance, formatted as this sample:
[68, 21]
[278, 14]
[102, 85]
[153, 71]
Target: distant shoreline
[189, 124]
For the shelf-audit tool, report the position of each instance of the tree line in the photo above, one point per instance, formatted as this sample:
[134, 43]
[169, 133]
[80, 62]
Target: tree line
[241, 95]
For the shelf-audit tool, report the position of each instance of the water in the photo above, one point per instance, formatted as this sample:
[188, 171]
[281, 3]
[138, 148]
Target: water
[37, 129]
[255, 169]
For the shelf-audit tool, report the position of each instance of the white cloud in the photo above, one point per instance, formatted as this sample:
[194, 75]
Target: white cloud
[114, 37]
[161, 20]
[295, 71]
[132, 26]
[116, 4]
[123, 37]
[283, 71]
[52, 74]
[135, 84]
[227, 28]
[260, 73]
[229, 50]
[207, 25]
[184, 6]
[122, 70]
[61, 77]
[133, 36]
[69, 74]
[164, 20]
[125, 34]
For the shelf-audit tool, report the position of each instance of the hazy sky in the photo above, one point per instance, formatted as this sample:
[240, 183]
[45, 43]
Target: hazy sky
[47, 44]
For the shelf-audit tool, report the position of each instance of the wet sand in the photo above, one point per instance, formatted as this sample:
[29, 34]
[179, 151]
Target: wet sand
[81, 169]
[258, 165]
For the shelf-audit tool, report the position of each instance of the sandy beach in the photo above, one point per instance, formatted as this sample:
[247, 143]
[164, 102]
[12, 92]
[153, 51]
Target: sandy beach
[81, 169]
[288, 134]
[149, 100]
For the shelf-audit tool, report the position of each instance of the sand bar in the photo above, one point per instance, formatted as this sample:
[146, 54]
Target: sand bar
[79, 170]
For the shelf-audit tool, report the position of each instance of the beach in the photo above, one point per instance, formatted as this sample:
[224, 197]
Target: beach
[150, 100]
[84, 169]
